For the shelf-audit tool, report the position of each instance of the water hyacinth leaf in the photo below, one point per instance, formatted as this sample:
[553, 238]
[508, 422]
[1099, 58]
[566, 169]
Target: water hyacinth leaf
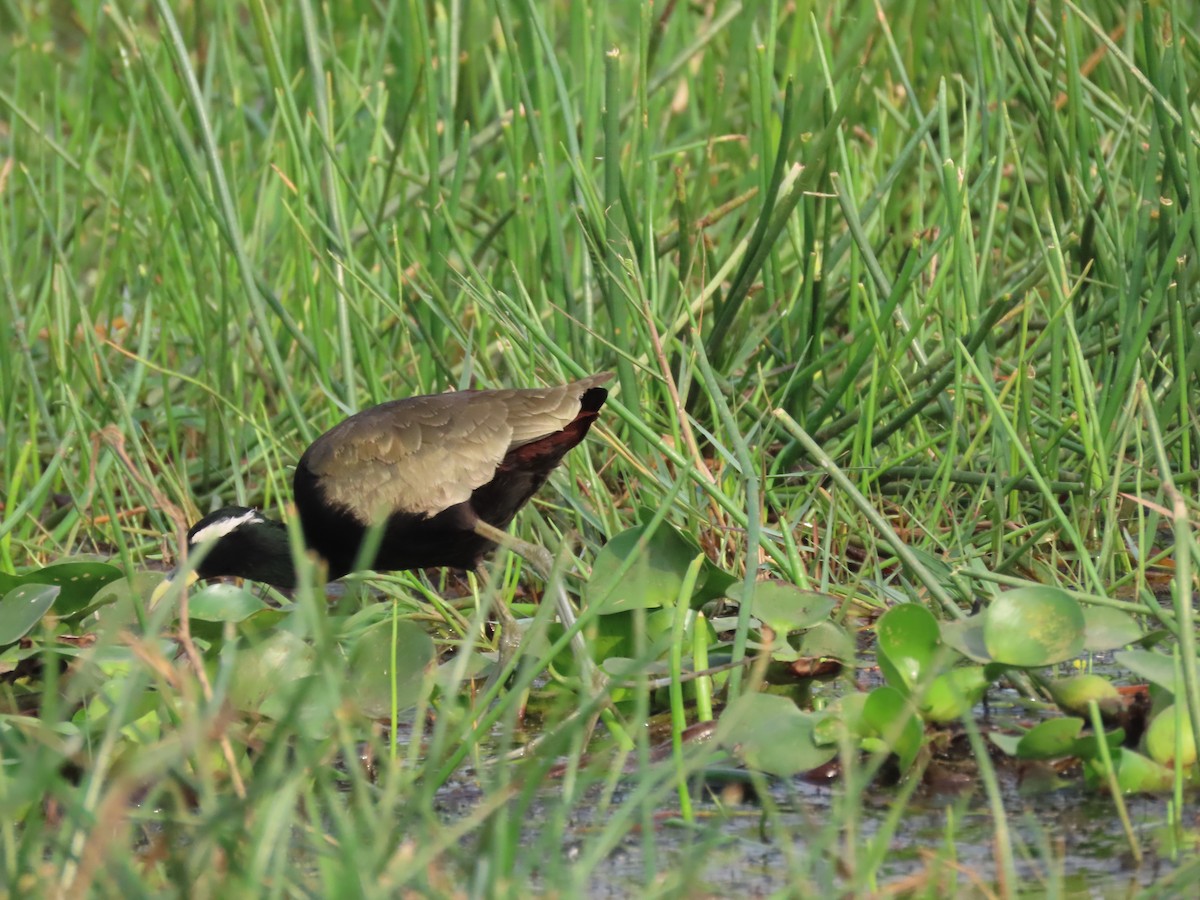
[827, 640]
[769, 733]
[966, 636]
[1157, 668]
[1087, 747]
[79, 582]
[616, 633]
[1006, 742]
[263, 669]
[1073, 694]
[1033, 626]
[1109, 629]
[122, 595]
[260, 625]
[22, 608]
[638, 569]
[450, 675]
[888, 714]
[1135, 773]
[953, 694]
[783, 607]
[843, 719]
[371, 673]
[1052, 739]
[908, 644]
[1171, 735]
[223, 603]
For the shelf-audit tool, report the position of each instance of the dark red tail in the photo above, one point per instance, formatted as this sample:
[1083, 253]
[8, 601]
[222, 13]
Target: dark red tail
[545, 453]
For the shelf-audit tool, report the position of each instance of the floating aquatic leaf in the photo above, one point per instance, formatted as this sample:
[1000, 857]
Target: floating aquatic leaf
[1170, 735]
[1073, 694]
[1034, 626]
[639, 569]
[1109, 629]
[953, 694]
[371, 673]
[891, 718]
[1052, 739]
[783, 607]
[1157, 668]
[908, 644]
[22, 608]
[223, 603]
[771, 734]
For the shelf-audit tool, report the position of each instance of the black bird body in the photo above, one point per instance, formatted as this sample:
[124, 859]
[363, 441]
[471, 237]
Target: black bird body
[429, 467]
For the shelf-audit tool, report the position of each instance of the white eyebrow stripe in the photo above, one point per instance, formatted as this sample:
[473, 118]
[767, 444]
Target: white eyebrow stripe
[222, 527]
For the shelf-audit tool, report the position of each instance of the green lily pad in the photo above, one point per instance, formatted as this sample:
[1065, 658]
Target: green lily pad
[642, 570]
[79, 582]
[770, 734]
[1169, 735]
[616, 633]
[1088, 747]
[1073, 694]
[783, 607]
[1034, 626]
[1109, 629]
[1135, 773]
[827, 640]
[372, 676]
[22, 608]
[267, 668]
[908, 644]
[888, 714]
[223, 603]
[842, 719]
[1052, 739]
[966, 636]
[953, 694]
[1157, 668]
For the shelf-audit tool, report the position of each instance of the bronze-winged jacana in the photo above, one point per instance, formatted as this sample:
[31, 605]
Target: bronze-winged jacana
[435, 470]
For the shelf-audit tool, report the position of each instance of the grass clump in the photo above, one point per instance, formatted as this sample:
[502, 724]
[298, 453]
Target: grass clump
[898, 300]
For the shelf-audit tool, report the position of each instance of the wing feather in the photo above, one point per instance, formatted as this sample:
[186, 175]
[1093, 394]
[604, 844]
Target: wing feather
[424, 454]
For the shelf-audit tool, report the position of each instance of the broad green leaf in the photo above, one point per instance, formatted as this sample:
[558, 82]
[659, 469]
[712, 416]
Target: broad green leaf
[1072, 694]
[908, 644]
[1052, 739]
[22, 608]
[641, 570]
[223, 603]
[783, 607]
[616, 632]
[889, 715]
[1109, 629]
[1135, 773]
[371, 673]
[79, 582]
[769, 733]
[1087, 747]
[829, 640]
[1157, 668]
[953, 694]
[1033, 626]
[842, 719]
[1169, 735]
[263, 669]
[966, 636]
[114, 605]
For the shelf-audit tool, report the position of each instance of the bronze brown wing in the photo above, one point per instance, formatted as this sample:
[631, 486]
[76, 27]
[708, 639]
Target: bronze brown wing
[431, 466]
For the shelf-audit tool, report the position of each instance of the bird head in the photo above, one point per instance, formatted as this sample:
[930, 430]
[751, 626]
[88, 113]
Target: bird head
[240, 542]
